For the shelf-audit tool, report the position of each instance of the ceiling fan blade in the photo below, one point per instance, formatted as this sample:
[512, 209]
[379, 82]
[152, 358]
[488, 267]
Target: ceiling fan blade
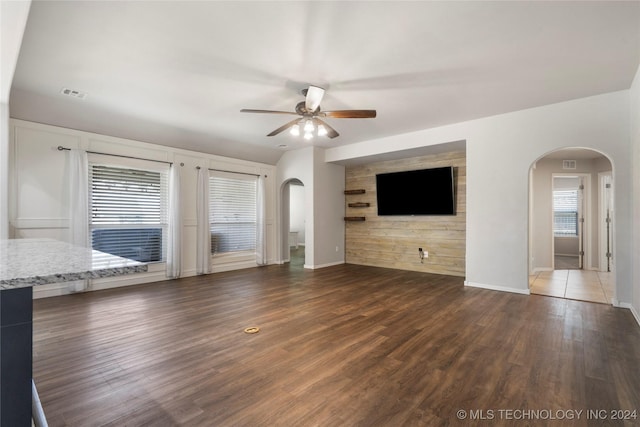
[349, 114]
[248, 110]
[331, 132]
[284, 127]
[313, 98]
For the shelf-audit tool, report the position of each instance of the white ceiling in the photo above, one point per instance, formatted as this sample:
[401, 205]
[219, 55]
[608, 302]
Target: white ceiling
[177, 73]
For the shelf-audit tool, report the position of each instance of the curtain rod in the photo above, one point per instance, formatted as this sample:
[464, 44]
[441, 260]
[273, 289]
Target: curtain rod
[61, 148]
[241, 173]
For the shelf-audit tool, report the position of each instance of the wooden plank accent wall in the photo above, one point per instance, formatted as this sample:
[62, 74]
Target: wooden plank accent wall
[393, 241]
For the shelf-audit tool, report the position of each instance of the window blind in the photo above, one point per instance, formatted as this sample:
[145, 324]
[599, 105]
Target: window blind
[565, 212]
[128, 212]
[232, 213]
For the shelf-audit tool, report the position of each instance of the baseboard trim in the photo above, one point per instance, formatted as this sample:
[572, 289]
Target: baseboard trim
[220, 268]
[132, 280]
[62, 288]
[188, 273]
[497, 288]
[635, 314]
[628, 306]
[541, 270]
[315, 267]
[52, 290]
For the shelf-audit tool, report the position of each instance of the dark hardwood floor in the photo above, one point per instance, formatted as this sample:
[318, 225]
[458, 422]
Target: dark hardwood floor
[340, 346]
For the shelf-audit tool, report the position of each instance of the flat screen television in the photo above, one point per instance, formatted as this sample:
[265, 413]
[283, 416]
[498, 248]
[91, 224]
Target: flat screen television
[417, 192]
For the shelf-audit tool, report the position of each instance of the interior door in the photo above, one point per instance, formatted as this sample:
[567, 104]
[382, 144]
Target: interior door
[608, 211]
[581, 222]
[568, 222]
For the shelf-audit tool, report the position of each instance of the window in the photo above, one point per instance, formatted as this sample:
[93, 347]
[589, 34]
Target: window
[565, 212]
[128, 212]
[232, 212]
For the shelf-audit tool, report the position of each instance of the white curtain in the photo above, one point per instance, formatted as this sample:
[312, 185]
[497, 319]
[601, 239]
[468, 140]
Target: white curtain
[261, 241]
[174, 243]
[78, 207]
[203, 238]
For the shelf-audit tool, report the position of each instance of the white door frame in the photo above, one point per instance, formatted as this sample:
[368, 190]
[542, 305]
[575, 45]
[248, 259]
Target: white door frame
[285, 220]
[585, 243]
[604, 178]
[285, 200]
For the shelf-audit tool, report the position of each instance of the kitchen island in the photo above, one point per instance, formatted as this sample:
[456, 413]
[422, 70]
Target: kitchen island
[25, 263]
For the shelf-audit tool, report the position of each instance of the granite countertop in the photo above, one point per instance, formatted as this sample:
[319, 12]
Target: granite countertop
[33, 262]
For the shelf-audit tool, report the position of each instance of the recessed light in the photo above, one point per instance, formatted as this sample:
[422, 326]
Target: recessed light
[73, 93]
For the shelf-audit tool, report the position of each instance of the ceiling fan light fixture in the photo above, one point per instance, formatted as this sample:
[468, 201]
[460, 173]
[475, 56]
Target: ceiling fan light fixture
[309, 116]
[308, 127]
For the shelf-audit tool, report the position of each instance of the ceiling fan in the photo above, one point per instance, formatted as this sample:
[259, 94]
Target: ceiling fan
[310, 121]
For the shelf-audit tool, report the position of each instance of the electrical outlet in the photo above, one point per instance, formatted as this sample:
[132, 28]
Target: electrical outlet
[426, 254]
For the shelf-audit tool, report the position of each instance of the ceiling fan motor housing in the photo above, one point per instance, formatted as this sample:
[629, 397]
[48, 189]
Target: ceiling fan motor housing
[301, 109]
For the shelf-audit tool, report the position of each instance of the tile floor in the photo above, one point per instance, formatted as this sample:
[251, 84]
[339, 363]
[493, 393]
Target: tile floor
[584, 285]
[562, 262]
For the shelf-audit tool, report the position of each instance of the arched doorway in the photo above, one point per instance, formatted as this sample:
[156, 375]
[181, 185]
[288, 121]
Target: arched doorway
[293, 236]
[570, 225]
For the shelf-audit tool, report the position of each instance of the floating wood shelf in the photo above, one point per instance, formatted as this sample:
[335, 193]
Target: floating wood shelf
[354, 218]
[359, 191]
[359, 205]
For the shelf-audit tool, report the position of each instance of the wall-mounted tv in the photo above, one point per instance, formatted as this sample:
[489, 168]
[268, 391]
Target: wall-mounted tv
[417, 192]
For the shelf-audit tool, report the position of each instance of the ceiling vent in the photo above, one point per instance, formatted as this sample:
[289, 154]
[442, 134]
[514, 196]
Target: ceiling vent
[73, 93]
[568, 164]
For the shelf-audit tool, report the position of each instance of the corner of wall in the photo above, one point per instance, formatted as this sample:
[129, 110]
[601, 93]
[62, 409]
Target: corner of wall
[634, 95]
[4, 171]
[497, 288]
[328, 211]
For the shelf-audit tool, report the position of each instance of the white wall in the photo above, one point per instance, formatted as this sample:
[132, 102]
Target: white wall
[635, 141]
[324, 205]
[329, 209]
[500, 151]
[13, 20]
[296, 211]
[541, 219]
[39, 198]
[4, 170]
[296, 164]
